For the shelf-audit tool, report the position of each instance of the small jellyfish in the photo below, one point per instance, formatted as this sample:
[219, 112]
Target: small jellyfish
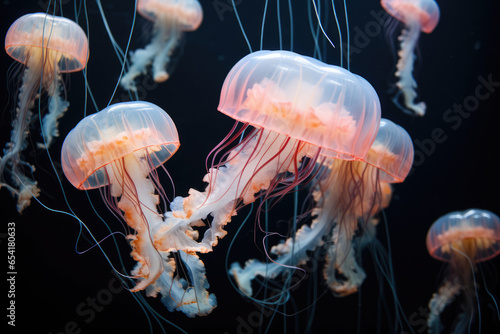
[171, 18]
[47, 46]
[120, 147]
[462, 239]
[348, 194]
[299, 107]
[417, 15]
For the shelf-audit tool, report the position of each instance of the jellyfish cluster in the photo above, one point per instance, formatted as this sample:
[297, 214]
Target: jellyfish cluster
[306, 129]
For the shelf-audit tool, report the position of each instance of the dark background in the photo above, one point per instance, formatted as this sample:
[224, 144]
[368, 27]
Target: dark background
[458, 173]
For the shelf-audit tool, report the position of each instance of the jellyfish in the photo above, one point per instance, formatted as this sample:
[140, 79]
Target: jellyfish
[120, 147]
[301, 110]
[417, 15]
[356, 192]
[299, 107]
[47, 46]
[348, 195]
[462, 239]
[171, 18]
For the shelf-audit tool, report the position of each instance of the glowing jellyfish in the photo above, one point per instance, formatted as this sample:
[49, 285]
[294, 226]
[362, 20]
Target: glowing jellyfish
[462, 239]
[47, 46]
[299, 107]
[171, 18]
[417, 15]
[348, 194]
[355, 192]
[120, 147]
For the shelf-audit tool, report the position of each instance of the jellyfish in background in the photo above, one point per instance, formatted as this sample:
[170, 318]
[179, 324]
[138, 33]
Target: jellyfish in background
[353, 192]
[121, 147]
[348, 194]
[171, 18]
[417, 15]
[47, 46]
[462, 239]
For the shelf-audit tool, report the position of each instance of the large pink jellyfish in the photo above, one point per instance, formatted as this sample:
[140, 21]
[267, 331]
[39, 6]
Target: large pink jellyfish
[171, 18]
[47, 46]
[299, 107]
[463, 239]
[348, 194]
[120, 147]
[417, 15]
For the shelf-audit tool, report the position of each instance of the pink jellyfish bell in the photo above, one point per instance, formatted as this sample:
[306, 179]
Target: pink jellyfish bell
[422, 13]
[462, 239]
[416, 15]
[47, 46]
[171, 18]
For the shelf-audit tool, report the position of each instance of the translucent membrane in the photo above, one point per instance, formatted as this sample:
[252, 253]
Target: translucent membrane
[425, 12]
[473, 232]
[113, 133]
[58, 34]
[392, 152]
[187, 13]
[301, 97]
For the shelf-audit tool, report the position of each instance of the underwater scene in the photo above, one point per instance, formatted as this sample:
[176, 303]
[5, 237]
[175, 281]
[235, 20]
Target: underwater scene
[250, 166]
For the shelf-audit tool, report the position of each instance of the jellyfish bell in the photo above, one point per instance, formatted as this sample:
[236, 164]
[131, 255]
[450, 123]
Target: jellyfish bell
[186, 14]
[416, 15]
[463, 239]
[391, 153]
[303, 98]
[474, 232]
[298, 107]
[118, 132]
[62, 40]
[171, 18]
[47, 46]
[424, 13]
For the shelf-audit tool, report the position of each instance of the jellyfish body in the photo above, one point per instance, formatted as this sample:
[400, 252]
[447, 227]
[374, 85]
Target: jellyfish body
[348, 194]
[416, 15]
[299, 107]
[356, 191]
[47, 46]
[120, 147]
[171, 18]
[462, 239]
